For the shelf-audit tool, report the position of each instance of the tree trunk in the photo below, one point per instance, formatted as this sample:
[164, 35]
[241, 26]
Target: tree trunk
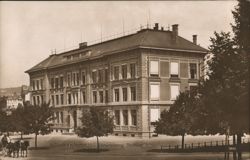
[36, 140]
[234, 145]
[97, 142]
[182, 141]
[239, 146]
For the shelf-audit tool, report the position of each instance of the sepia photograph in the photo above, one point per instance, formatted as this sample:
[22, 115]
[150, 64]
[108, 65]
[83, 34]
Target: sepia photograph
[128, 80]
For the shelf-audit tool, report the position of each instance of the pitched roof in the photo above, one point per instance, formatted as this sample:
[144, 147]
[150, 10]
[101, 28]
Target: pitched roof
[145, 38]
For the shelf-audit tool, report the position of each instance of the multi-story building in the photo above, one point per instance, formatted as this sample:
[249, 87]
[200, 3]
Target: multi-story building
[136, 77]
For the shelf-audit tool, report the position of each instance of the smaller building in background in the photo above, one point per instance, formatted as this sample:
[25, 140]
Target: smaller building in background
[14, 97]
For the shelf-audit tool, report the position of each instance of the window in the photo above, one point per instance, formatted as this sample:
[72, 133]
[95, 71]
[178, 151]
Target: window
[83, 97]
[77, 79]
[41, 82]
[174, 91]
[124, 94]
[57, 82]
[174, 69]
[124, 71]
[61, 82]
[94, 76]
[37, 84]
[132, 70]
[61, 117]
[134, 117]
[106, 75]
[117, 117]
[74, 79]
[33, 85]
[193, 88]
[69, 98]
[101, 96]
[53, 100]
[83, 78]
[62, 99]
[57, 117]
[116, 72]
[193, 70]
[154, 68]
[42, 99]
[106, 96]
[57, 99]
[69, 79]
[154, 115]
[133, 93]
[75, 98]
[34, 100]
[94, 97]
[116, 95]
[125, 117]
[38, 100]
[100, 76]
[154, 91]
[52, 83]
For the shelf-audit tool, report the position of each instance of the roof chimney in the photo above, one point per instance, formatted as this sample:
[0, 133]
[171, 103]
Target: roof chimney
[83, 45]
[175, 29]
[195, 39]
[174, 32]
[156, 27]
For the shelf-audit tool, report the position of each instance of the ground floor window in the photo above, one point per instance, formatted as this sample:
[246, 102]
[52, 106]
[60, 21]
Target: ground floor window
[117, 117]
[134, 117]
[125, 117]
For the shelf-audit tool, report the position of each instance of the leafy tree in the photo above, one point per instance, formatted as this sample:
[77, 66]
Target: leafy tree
[95, 122]
[180, 119]
[3, 121]
[3, 103]
[36, 119]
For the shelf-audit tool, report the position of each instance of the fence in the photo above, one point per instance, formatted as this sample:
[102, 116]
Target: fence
[211, 146]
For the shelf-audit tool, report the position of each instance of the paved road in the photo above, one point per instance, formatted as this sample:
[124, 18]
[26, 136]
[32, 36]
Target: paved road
[131, 153]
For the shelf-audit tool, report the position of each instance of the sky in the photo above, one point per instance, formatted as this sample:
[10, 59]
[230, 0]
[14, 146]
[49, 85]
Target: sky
[30, 30]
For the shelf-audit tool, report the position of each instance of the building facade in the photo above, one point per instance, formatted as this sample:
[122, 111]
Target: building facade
[135, 77]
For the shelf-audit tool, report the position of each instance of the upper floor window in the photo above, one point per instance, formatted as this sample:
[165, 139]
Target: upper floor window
[57, 82]
[77, 79]
[83, 97]
[69, 99]
[53, 100]
[106, 75]
[174, 69]
[132, 70]
[100, 76]
[117, 97]
[69, 79]
[57, 99]
[124, 94]
[83, 78]
[174, 91]
[94, 97]
[41, 81]
[124, 71]
[193, 70]
[62, 99]
[94, 76]
[116, 72]
[133, 93]
[61, 82]
[154, 68]
[37, 84]
[154, 91]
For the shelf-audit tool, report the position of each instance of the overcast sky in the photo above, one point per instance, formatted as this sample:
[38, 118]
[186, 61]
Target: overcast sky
[30, 30]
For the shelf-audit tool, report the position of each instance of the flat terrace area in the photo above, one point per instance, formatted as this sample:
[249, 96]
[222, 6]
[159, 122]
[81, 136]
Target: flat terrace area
[70, 147]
